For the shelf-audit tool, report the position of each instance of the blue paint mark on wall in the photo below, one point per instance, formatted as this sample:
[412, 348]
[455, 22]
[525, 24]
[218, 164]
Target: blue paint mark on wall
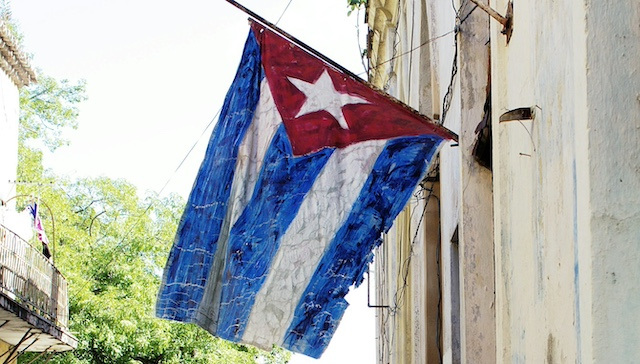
[576, 267]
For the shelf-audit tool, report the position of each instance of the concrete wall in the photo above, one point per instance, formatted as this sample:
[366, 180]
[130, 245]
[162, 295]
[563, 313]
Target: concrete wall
[535, 182]
[476, 254]
[559, 243]
[610, 145]
[448, 302]
[565, 183]
[407, 283]
[406, 264]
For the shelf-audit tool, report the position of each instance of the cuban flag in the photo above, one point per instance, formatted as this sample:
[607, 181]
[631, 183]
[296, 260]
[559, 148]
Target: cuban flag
[306, 169]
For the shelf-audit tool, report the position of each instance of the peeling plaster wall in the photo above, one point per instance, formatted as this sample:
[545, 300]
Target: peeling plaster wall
[448, 307]
[406, 268]
[612, 145]
[406, 281]
[566, 183]
[476, 252]
[535, 183]
[440, 20]
[566, 207]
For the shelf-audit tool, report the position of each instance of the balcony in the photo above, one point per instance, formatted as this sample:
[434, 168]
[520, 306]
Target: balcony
[34, 311]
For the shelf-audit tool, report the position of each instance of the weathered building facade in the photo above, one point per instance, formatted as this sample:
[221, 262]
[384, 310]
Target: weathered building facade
[533, 255]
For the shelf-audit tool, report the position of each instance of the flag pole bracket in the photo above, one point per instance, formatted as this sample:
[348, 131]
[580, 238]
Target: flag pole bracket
[523, 113]
[506, 21]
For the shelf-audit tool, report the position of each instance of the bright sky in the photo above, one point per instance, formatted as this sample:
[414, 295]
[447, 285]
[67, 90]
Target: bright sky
[156, 74]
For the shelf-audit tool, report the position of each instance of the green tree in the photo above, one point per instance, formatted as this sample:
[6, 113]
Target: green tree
[111, 246]
[48, 109]
[355, 5]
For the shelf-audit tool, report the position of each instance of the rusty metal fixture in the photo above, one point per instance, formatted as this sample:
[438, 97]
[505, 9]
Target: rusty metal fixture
[523, 113]
[506, 21]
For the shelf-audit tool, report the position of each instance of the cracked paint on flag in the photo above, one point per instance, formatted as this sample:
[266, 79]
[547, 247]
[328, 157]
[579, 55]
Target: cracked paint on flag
[304, 171]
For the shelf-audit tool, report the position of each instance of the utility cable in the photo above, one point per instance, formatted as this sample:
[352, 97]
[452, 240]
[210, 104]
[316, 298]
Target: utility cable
[284, 11]
[121, 244]
[215, 117]
[403, 272]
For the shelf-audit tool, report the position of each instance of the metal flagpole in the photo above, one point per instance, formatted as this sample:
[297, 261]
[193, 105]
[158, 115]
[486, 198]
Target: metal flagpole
[295, 40]
[337, 66]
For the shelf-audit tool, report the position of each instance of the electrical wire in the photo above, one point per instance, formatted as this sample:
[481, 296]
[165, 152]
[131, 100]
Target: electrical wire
[403, 275]
[446, 102]
[418, 47]
[284, 11]
[403, 272]
[215, 117]
[413, 25]
[362, 52]
[121, 244]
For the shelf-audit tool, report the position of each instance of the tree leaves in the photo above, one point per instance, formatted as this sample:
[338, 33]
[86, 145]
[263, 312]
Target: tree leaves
[355, 5]
[111, 246]
[47, 109]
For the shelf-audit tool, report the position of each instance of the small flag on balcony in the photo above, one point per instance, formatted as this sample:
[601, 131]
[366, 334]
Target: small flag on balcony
[305, 170]
[39, 228]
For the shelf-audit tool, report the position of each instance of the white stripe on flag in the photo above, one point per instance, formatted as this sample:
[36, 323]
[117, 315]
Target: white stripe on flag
[322, 213]
[251, 152]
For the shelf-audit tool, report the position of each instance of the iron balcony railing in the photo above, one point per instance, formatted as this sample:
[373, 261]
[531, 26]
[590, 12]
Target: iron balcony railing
[31, 279]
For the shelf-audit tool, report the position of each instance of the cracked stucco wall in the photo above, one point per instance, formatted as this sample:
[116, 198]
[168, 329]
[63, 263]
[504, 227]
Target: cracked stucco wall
[566, 183]
[448, 307]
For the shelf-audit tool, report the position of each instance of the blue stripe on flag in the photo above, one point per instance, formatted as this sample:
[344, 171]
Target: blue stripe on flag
[190, 259]
[254, 240]
[397, 171]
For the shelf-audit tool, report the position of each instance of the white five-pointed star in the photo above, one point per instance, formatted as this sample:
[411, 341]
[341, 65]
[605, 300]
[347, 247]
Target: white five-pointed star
[322, 95]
